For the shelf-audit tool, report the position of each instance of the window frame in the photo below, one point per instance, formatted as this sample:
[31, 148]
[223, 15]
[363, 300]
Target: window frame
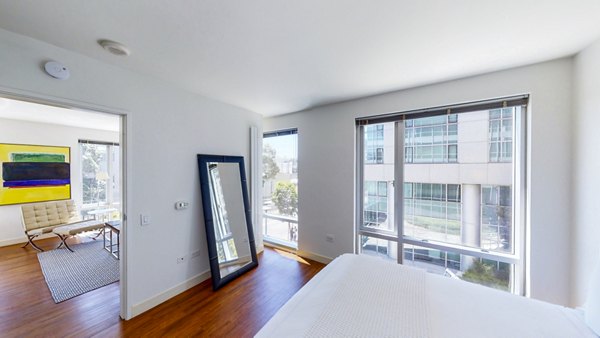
[517, 259]
[274, 241]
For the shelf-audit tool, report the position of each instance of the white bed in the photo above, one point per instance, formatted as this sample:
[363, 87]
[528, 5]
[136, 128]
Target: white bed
[363, 296]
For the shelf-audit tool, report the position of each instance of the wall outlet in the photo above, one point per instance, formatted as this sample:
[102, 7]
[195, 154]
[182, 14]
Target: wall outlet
[144, 219]
[180, 260]
[329, 238]
[180, 205]
[195, 254]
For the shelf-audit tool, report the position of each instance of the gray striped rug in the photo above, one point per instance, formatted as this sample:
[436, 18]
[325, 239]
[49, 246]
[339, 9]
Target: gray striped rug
[69, 274]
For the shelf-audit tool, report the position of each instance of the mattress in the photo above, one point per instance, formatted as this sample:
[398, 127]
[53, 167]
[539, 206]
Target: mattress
[340, 301]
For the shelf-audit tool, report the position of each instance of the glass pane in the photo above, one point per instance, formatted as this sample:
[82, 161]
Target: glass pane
[95, 175]
[452, 153]
[115, 174]
[382, 188]
[496, 218]
[494, 130]
[494, 114]
[280, 188]
[408, 155]
[379, 247]
[507, 129]
[378, 177]
[468, 268]
[452, 133]
[468, 208]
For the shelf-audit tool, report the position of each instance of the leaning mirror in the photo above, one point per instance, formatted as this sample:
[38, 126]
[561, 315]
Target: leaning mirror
[229, 235]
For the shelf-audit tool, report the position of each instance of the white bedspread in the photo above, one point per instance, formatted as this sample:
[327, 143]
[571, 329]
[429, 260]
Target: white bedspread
[343, 316]
[337, 303]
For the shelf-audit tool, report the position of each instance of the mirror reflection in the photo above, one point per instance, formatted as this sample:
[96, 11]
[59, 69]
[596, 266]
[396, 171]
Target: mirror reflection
[229, 217]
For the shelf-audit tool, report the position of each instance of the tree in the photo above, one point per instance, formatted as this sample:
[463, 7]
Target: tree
[92, 155]
[488, 274]
[285, 198]
[270, 168]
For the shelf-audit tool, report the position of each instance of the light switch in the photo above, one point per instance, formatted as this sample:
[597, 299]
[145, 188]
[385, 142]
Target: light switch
[144, 219]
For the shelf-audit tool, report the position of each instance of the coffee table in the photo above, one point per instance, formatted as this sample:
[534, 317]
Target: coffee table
[112, 229]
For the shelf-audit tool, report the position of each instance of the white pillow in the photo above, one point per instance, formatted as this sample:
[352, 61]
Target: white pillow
[592, 304]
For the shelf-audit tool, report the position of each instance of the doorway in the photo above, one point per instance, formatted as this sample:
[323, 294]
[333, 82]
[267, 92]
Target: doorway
[91, 143]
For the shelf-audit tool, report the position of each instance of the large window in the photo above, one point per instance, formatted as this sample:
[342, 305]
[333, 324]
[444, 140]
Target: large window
[100, 172]
[280, 187]
[462, 204]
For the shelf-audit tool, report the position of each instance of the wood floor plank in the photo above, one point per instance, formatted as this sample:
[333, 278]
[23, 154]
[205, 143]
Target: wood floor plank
[239, 309]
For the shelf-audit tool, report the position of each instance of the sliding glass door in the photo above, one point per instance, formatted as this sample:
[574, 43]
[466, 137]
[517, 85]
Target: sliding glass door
[447, 192]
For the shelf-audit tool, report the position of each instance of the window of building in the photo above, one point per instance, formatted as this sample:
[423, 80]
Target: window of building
[501, 134]
[466, 222]
[100, 172]
[374, 144]
[432, 211]
[431, 140]
[376, 204]
[496, 218]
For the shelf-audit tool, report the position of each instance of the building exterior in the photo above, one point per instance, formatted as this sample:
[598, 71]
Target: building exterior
[458, 177]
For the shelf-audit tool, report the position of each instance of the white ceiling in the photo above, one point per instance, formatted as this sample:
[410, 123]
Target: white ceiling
[274, 56]
[33, 112]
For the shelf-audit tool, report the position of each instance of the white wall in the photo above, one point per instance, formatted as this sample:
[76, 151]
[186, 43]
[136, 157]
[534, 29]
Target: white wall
[13, 131]
[585, 238]
[169, 127]
[327, 148]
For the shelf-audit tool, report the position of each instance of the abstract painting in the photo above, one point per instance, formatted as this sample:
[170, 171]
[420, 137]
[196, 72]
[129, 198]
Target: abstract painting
[30, 173]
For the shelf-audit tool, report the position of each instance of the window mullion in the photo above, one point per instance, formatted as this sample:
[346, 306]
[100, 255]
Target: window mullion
[399, 186]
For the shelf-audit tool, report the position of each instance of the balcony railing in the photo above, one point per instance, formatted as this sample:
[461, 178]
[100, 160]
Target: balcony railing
[281, 229]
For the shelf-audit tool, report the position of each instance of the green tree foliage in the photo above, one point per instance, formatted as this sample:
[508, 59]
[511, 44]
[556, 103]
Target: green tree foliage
[270, 168]
[285, 198]
[92, 157]
[486, 274]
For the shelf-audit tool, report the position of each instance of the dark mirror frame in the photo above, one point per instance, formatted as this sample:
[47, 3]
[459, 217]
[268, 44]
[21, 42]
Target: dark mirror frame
[213, 257]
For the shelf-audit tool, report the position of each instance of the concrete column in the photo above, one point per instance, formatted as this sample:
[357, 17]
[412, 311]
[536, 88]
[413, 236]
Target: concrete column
[471, 220]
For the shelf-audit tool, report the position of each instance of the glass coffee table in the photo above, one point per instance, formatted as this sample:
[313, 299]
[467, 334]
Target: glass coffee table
[112, 230]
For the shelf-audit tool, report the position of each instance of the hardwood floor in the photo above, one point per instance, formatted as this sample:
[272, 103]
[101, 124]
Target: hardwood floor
[239, 309]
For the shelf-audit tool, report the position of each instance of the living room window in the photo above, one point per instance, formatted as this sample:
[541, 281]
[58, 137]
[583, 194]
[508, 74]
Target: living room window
[100, 175]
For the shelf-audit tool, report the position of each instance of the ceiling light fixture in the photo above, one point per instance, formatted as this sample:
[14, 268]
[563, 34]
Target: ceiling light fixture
[114, 47]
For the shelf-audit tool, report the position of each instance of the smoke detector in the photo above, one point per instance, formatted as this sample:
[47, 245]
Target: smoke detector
[114, 47]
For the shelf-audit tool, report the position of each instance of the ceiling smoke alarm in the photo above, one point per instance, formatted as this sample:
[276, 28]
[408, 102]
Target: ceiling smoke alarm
[114, 47]
[57, 70]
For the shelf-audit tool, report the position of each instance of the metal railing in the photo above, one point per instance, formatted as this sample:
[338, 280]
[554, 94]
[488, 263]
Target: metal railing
[277, 229]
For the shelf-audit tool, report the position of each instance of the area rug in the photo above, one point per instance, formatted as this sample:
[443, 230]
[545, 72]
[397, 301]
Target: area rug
[69, 274]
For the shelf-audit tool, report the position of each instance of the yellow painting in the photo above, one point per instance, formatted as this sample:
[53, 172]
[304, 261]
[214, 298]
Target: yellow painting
[31, 173]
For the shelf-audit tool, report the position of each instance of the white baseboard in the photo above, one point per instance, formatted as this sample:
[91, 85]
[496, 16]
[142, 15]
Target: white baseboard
[22, 240]
[13, 241]
[169, 293]
[314, 257]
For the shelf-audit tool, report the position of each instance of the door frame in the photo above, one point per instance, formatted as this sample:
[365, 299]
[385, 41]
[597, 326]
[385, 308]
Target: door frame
[125, 138]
